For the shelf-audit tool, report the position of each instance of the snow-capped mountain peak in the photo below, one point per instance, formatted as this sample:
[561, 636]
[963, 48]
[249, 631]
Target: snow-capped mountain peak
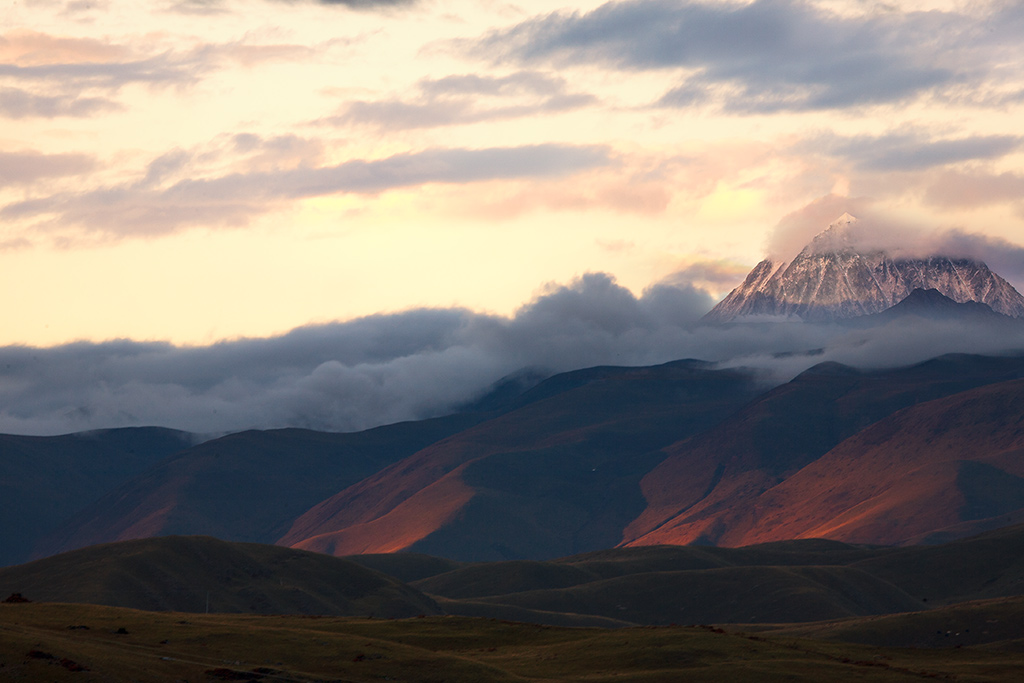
[832, 279]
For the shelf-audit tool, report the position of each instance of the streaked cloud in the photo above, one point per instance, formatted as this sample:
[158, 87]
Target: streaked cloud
[976, 188]
[467, 98]
[23, 168]
[913, 151]
[140, 209]
[16, 103]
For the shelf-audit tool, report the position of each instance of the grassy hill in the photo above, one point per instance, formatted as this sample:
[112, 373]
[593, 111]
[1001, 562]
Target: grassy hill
[85, 643]
[193, 574]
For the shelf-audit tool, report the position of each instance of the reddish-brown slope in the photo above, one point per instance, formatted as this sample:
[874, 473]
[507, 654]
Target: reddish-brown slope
[559, 475]
[708, 484]
[955, 463]
[248, 486]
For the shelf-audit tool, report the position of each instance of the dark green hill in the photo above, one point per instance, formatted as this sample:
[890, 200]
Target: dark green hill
[407, 566]
[187, 573]
[733, 594]
[990, 565]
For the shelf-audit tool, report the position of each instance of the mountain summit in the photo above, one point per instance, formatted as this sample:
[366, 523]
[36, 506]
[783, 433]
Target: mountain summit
[831, 279]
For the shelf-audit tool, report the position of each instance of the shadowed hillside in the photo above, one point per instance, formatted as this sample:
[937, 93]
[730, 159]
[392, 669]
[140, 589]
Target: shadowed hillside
[708, 487]
[556, 476]
[45, 480]
[244, 487]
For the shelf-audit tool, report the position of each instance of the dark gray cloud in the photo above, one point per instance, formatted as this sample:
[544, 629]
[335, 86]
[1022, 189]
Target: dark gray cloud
[467, 99]
[139, 209]
[772, 55]
[23, 168]
[16, 103]
[912, 151]
[411, 365]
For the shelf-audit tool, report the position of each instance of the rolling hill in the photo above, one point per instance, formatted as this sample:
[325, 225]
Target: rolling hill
[197, 574]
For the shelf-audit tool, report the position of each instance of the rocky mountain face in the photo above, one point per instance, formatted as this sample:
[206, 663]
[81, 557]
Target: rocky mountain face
[831, 279]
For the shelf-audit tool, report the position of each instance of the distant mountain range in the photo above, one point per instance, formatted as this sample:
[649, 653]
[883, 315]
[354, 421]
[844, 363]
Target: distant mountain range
[682, 453]
[832, 279]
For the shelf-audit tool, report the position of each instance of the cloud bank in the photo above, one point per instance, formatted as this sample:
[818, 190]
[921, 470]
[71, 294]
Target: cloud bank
[387, 368]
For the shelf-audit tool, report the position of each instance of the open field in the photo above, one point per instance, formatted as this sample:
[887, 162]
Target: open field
[63, 642]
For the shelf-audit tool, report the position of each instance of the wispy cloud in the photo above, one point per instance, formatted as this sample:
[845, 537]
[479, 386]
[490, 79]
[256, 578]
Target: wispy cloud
[16, 103]
[466, 99]
[912, 151]
[976, 188]
[775, 55]
[230, 200]
[24, 168]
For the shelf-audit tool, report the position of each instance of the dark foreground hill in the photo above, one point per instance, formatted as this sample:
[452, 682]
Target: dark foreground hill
[792, 581]
[196, 574]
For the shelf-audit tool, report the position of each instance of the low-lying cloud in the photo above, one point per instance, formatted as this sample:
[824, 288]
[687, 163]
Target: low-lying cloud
[387, 368]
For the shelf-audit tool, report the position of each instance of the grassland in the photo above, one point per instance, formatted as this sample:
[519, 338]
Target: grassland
[84, 643]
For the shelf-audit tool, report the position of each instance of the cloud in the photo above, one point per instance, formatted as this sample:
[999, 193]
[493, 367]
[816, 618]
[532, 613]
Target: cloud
[24, 168]
[465, 99]
[959, 189]
[368, 4]
[16, 103]
[218, 6]
[230, 200]
[420, 363]
[912, 151]
[772, 55]
[342, 376]
[796, 229]
[49, 76]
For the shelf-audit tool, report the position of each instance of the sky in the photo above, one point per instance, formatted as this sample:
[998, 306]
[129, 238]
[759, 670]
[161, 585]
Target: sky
[188, 188]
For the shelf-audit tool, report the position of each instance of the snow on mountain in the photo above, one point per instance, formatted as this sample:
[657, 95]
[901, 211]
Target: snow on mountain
[831, 279]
